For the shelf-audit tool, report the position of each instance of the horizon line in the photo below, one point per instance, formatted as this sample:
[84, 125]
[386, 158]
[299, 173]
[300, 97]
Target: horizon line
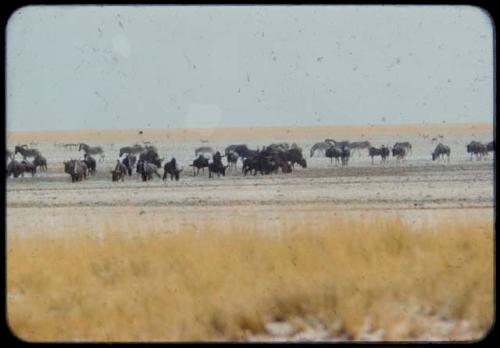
[440, 124]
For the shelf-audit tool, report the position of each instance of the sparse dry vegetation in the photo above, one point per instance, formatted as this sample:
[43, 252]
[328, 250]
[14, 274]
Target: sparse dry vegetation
[228, 281]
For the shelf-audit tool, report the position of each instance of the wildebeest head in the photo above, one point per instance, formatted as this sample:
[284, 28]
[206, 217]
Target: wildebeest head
[303, 163]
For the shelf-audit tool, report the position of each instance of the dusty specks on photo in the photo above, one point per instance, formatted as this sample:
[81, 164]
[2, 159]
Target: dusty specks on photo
[250, 173]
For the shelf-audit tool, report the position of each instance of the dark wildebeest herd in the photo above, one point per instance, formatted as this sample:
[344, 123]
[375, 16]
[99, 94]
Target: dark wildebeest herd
[271, 159]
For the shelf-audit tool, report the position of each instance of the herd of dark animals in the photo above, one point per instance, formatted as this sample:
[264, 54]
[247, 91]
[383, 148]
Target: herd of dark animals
[268, 160]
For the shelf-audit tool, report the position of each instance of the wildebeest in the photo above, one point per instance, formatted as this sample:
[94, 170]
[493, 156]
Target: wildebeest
[232, 159]
[320, 147]
[199, 163]
[204, 150]
[406, 145]
[345, 155]
[478, 149]
[90, 162]
[134, 149]
[440, 151]
[294, 156]
[129, 163]
[15, 168]
[242, 150]
[399, 152]
[383, 152]
[76, 169]
[41, 162]
[29, 167]
[119, 172]
[491, 146]
[96, 150]
[151, 156]
[26, 152]
[216, 168]
[172, 169]
[147, 170]
[333, 152]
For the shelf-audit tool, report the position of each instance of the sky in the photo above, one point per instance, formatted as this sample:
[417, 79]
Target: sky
[116, 67]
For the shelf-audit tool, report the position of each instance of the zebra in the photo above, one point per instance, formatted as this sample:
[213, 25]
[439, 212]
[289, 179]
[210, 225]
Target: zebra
[134, 149]
[359, 145]
[440, 151]
[321, 147]
[382, 152]
[70, 146]
[26, 152]
[96, 150]
[339, 144]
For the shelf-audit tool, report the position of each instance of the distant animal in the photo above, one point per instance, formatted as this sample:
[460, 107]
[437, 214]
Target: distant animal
[216, 168]
[15, 168]
[199, 163]
[232, 159]
[320, 147]
[478, 149]
[406, 145]
[119, 172]
[29, 167]
[90, 162]
[204, 150]
[76, 169]
[356, 146]
[345, 155]
[147, 170]
[96, 150]
[399, 152]
[129, 162]
[70, 146]
[134, 149]
[41, 162]
[26, 152]
[294, 156]
[334, 152]
[491, 146]
[383, 152]
[441, 151]
[172, 169]
[151, 156]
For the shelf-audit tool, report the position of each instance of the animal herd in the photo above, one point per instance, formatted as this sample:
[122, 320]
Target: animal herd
[270, 159]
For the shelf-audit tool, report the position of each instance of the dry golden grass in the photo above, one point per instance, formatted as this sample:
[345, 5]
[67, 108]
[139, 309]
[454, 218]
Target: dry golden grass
[228, 281]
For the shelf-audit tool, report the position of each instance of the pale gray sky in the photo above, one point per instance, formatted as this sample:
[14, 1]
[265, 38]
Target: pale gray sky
[88, 67]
